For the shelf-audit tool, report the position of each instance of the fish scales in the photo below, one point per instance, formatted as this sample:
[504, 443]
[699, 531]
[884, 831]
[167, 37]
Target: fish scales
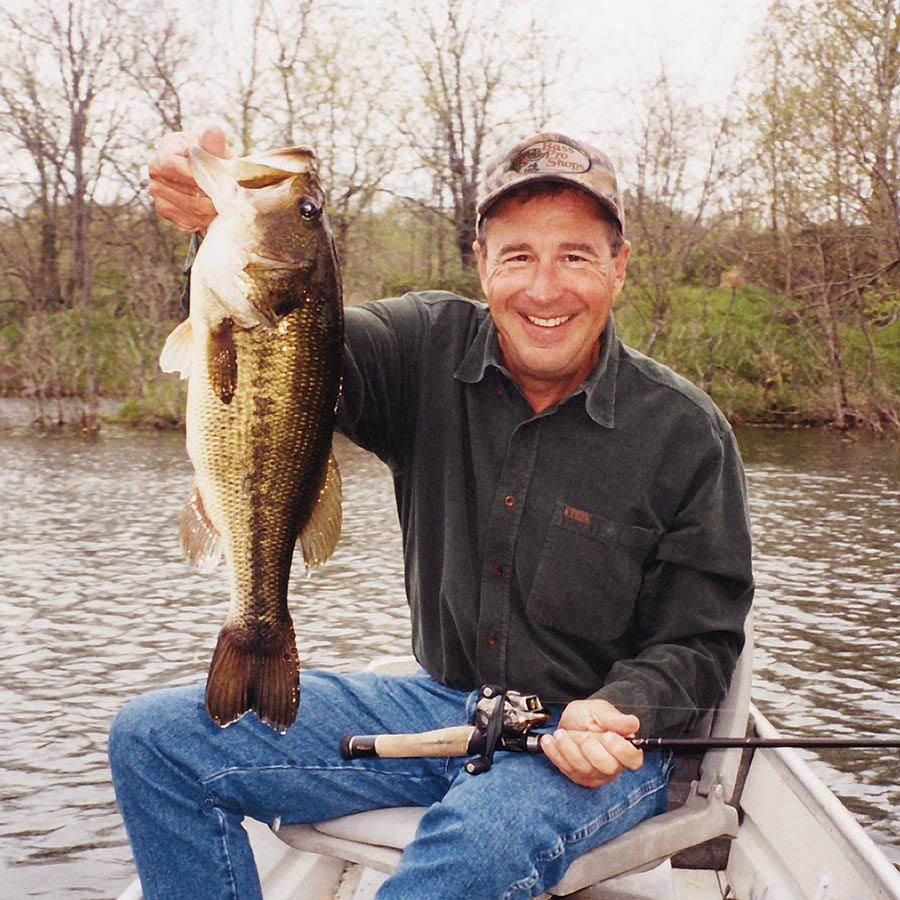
[264, 353]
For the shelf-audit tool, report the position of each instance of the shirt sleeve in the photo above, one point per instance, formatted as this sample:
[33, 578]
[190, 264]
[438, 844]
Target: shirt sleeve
[693, 602]
[382, 341]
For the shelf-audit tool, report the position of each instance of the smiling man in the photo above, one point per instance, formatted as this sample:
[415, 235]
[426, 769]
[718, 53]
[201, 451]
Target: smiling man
[550, 277]
[574, 525]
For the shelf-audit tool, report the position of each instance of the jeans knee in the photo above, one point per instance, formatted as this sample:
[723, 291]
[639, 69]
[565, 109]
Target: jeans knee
[138, 730]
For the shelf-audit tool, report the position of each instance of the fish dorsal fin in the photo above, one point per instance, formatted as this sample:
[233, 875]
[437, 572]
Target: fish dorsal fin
[320, 535]
[200, 541]
[176, 352]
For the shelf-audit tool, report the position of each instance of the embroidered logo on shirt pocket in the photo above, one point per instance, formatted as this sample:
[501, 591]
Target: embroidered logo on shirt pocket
[577, 515]
[590, 573]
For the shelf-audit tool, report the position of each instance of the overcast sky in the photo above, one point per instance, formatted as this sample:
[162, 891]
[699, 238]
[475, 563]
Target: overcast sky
[701, 41]
[704, 45]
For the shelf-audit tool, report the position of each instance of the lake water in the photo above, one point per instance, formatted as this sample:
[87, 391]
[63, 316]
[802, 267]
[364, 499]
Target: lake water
[97, 605]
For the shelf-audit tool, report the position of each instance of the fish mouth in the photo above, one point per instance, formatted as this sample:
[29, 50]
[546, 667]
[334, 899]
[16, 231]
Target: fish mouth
[548, 322]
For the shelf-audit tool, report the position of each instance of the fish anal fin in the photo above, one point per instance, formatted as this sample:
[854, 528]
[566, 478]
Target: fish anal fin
[221, 360]
[254, 672]
[200, 541]
[320, 535]
[176, 352]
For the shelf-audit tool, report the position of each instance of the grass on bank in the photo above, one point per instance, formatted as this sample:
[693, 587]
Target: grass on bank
[744, 346]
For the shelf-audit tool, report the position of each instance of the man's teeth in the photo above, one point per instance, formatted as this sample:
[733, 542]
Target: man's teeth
[548, 323]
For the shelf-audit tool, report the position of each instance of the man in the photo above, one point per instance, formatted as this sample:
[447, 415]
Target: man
[574, 525]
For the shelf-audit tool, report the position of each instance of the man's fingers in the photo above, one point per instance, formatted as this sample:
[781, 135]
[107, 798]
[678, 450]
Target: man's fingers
[622, 750]
[170, 161]
[589, 758]
[586, 762]
[188, 210]
[175, 192]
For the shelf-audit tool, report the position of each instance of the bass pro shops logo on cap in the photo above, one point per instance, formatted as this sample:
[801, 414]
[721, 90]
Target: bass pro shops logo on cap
[551, 158]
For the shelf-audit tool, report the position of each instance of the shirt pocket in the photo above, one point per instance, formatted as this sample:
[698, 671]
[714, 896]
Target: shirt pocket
[589, 574]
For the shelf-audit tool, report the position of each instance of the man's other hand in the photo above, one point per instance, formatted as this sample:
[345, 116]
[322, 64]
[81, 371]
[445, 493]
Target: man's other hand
[591, 745]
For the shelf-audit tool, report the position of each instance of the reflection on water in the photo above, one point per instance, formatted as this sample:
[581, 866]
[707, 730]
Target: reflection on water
[97, 605]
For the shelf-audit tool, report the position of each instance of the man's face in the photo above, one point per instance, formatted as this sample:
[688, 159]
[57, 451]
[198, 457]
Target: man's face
[550, 281]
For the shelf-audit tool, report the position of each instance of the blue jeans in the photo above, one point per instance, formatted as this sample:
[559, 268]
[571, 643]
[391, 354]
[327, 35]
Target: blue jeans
[183, 786]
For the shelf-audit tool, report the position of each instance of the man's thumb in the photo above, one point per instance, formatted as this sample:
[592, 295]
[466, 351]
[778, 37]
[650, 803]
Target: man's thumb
[212, 139]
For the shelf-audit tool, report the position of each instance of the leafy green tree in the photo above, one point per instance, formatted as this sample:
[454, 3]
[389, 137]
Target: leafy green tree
[829, 150]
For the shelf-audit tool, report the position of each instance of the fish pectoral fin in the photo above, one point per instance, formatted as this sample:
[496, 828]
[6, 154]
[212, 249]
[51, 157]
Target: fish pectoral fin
[258, 671]
[201, 543]
[221, 360]
[176, 352]
[320, 535]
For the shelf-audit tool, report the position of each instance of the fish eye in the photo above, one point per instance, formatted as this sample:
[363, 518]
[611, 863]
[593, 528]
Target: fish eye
[308, 209]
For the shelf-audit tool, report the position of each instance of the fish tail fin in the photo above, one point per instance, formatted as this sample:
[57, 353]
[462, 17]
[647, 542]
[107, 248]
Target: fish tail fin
[254, 672]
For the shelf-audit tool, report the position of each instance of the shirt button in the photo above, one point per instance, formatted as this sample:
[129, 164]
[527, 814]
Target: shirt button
[497, 571]
[499, 392]
[524, 431]
[510, 500]
[491, 639]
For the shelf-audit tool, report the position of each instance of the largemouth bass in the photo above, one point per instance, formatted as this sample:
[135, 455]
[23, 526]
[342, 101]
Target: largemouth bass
[263, 351]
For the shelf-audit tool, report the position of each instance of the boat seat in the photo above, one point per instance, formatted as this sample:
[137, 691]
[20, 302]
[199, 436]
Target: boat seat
[375, 839]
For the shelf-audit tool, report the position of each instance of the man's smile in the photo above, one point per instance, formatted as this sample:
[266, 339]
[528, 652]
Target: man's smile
[547, 323]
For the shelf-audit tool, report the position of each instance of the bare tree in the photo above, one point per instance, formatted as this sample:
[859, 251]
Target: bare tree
[473, 69]
[66, 107]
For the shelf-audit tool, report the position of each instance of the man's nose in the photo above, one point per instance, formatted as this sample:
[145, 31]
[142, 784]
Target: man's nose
[545, 284]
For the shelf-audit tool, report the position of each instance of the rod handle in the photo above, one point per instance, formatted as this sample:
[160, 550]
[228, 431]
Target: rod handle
[458, 740]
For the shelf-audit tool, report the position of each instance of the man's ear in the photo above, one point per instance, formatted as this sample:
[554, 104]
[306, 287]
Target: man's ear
[481, 259]
[621, 266]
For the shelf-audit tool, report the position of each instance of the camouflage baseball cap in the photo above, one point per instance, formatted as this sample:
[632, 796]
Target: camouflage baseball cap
[552, 157]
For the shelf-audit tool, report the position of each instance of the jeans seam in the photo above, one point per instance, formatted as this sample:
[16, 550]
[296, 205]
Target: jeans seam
[229, 867]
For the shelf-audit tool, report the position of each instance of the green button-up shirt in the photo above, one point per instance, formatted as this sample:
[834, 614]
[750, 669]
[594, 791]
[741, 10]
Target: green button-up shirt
[598, 548]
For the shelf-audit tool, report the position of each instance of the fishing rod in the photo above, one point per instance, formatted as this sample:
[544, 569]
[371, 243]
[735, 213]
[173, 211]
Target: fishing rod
[752, 742]
[504, 720]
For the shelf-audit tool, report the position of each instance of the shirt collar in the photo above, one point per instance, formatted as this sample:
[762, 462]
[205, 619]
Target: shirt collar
[599, 387]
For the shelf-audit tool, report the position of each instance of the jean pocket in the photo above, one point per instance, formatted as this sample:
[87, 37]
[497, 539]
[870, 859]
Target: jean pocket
[589, 574]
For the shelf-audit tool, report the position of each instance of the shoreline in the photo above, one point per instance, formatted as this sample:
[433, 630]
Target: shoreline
[22, 412]
[17, 413]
